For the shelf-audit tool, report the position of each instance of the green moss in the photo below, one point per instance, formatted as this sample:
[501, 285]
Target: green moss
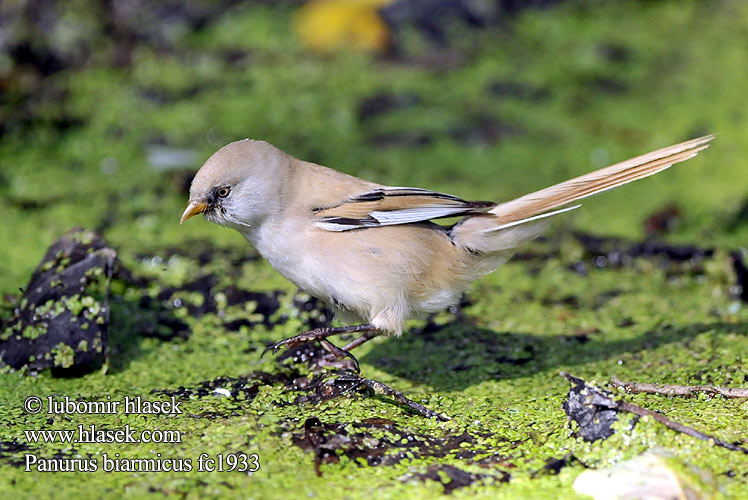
[74, 304]
[63, 355]
[32, 332]
[494, 371]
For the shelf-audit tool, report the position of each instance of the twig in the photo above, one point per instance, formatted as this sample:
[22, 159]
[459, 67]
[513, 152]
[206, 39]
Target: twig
[620, 405]
[401, 398]
[678, 390]
[672, 424]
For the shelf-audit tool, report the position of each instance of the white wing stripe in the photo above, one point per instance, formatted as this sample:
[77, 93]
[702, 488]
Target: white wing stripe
[407, 215]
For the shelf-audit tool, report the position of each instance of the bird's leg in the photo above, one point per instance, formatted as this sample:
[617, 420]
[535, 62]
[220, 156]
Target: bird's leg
[340, 353]
[321, 334]
[362, 339]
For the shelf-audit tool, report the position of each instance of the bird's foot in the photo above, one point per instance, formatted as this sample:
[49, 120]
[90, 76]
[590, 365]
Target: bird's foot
[330, 362]
[318, 334]
[338, 358]
[302, 338]
[321, 356]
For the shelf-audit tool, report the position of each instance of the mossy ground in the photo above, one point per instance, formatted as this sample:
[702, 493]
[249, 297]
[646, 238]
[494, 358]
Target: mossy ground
[607, 82]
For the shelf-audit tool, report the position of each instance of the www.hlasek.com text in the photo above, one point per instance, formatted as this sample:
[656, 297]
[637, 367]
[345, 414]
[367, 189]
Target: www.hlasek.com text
[94, 434]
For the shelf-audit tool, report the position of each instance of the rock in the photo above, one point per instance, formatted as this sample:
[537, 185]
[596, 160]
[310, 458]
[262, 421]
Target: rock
[646, 476]
[62, 319]
[591, 408]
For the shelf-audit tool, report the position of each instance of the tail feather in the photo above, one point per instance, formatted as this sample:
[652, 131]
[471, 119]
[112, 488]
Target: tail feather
[539, 202]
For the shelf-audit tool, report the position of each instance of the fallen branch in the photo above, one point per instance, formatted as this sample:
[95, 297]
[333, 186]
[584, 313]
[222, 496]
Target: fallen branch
[678, 390]
[398, 396]
[601, 398]
[672, 424]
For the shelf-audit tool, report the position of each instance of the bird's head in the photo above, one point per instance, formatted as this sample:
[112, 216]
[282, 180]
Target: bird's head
[240, 185]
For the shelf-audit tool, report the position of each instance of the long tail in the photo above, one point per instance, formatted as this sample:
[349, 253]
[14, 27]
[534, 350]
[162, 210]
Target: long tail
[540, 203]
[493, 239]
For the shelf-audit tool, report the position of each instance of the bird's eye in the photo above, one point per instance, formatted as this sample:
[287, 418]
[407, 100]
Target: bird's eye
[223, 192]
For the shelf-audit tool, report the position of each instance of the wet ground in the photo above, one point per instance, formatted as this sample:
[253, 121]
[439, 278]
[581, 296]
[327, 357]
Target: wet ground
[646, 283]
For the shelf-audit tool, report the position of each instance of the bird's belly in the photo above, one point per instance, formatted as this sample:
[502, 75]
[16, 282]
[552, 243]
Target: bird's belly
[322, 272]
[382, 275]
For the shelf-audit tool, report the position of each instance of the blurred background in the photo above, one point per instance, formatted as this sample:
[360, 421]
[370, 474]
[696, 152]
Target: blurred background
[107, 108]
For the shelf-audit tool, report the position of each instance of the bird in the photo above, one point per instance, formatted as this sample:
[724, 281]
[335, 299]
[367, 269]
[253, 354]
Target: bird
[372, 252]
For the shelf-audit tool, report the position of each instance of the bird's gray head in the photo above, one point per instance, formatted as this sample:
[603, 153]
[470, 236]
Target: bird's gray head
[240, 185]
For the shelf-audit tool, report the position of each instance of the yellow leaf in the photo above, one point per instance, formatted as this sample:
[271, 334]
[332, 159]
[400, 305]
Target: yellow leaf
[328, 25]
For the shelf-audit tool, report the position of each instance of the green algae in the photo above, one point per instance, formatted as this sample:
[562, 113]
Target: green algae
[493, 364]
[63, 355]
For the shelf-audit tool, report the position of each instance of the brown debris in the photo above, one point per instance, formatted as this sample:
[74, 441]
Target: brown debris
[323, 388]
[378, 441]
[457, 478]
[663, 221]
[554, 465]
[614, 252]
[588, 400]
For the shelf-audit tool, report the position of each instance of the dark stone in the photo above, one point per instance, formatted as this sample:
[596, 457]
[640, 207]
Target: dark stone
[592, 409]
[62, 319]
[615, 250]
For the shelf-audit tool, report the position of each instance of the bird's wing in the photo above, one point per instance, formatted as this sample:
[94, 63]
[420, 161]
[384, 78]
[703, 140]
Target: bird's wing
[394, 205]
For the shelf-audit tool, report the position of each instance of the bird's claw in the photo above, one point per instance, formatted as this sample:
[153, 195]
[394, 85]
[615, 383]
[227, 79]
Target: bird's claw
[339, 353]
[289, 342]
[272, 347]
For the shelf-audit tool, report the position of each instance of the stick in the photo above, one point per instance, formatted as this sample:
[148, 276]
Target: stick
[672, 424]
[401, 398]
[678, 390]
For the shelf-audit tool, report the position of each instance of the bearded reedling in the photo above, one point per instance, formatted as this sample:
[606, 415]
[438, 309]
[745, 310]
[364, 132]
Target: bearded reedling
[371, 251]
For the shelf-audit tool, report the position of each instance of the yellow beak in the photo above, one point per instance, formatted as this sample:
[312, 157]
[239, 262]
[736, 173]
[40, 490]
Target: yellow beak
[193, 209]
